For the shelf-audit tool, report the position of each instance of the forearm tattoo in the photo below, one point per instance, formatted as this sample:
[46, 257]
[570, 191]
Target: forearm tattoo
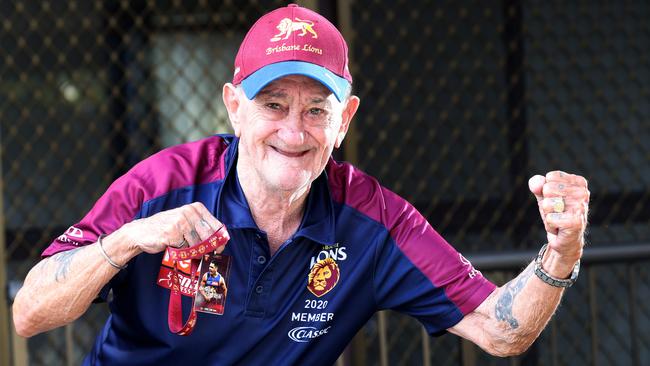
[63, 259]
[503, 308]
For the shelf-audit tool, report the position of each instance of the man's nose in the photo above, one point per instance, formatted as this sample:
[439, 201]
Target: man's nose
[292, 131]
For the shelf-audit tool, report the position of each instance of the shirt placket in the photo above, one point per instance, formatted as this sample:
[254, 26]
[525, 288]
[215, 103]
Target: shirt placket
[262, 275]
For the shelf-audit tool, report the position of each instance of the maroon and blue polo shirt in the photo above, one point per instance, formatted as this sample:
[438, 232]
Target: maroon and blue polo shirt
[380, 253]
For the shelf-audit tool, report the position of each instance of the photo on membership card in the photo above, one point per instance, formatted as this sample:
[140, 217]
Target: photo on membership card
[213, 284]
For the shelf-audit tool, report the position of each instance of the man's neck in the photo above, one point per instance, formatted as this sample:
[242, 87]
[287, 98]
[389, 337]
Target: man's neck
[276, 212]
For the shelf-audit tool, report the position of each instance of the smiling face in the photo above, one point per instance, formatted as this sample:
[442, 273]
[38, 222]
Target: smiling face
[288, 131]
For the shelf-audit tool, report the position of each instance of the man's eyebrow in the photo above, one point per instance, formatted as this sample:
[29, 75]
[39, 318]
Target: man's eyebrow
[318, 100]
[272, 93]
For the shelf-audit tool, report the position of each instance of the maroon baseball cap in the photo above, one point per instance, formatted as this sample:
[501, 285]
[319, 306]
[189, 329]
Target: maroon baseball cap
[292, 41]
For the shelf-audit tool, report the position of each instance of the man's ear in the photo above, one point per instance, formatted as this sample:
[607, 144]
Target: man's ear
[231, 100]
[349, 111]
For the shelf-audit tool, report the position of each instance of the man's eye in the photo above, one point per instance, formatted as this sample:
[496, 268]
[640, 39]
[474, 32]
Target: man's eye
[274, 106]
[316, 111]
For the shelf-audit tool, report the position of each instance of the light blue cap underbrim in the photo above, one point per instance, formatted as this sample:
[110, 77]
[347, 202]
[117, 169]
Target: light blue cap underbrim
[262, 77]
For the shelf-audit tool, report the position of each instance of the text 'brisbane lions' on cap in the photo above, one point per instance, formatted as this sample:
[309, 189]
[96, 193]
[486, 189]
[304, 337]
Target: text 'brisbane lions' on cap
[292, 41]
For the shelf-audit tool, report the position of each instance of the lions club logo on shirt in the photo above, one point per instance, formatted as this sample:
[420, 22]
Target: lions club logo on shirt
[323, 277]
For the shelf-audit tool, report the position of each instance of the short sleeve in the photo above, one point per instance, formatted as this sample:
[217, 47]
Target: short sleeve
[418, 273]
[117, 206]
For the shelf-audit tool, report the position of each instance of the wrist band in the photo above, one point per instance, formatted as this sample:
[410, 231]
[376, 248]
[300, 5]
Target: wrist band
[101, 249]
[547, 278]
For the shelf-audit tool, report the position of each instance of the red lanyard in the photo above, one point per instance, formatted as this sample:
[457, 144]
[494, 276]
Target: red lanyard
[195, 253]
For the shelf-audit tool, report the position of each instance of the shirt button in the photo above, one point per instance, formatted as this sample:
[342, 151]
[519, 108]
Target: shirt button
[261, 259]
[259, 289]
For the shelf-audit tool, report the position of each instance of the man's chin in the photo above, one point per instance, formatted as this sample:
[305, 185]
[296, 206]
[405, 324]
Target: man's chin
[289, 182]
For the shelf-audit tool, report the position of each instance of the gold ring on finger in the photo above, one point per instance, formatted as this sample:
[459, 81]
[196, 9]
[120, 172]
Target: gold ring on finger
[558, 204]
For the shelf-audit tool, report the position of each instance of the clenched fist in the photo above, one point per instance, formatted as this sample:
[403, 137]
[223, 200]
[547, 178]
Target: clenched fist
[563, 201]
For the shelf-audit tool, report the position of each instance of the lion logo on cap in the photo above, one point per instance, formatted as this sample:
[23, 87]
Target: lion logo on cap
[288, 26]
[324, 275]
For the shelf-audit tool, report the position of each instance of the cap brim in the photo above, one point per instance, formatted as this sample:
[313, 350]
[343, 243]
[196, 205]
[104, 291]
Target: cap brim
[262, 77]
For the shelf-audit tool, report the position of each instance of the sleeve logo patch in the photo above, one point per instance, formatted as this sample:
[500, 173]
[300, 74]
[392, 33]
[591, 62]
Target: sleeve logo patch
[74, 232]
[323, 277]
[471, 271]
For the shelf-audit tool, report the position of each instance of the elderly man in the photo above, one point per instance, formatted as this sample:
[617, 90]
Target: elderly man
[288, 207]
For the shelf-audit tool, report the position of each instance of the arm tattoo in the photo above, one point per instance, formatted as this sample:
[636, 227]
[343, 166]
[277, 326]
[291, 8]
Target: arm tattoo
[64, 259]
[503, 308]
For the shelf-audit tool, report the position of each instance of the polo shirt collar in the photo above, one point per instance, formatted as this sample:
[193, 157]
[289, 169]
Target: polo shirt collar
[233, 209]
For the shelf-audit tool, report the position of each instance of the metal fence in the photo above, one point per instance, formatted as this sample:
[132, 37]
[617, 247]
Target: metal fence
[461, 102]
[602, 320]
